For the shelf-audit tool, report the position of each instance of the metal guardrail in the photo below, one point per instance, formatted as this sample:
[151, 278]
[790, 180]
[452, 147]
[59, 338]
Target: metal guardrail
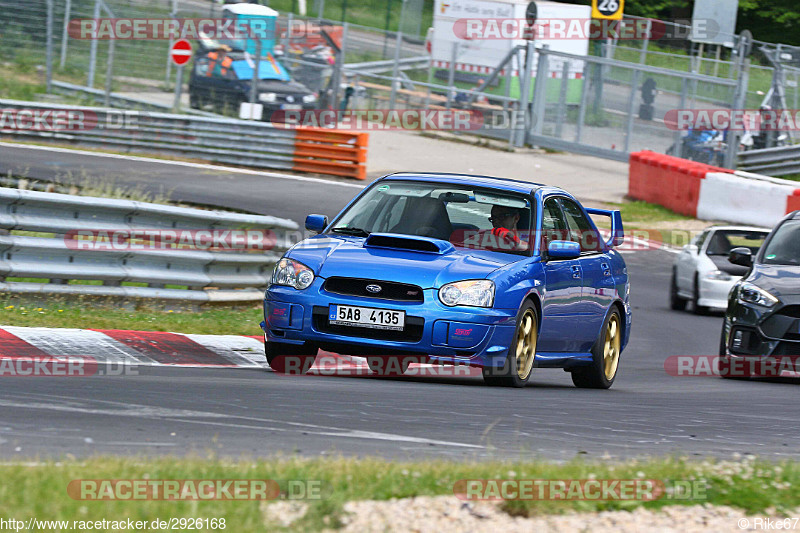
[219, 140]
[378, 67]
[211, 276]
[780, 161]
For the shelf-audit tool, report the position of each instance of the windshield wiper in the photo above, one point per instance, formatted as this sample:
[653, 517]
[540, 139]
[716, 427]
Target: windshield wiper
[357, 232]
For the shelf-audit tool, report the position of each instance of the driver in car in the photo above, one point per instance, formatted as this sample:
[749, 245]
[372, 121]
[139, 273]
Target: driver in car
[504, 228]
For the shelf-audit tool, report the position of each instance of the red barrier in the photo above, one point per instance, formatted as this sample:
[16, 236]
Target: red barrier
[668, 181]
[793, 202]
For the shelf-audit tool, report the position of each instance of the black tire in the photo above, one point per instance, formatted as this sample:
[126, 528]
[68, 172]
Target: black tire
[676, 303]
[603, 371]
[696, 307]
[510, 375]
[388, 366]
[195, 102]
[289, 358]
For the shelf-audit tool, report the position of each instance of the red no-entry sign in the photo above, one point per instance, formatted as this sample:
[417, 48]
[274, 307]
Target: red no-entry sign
[181, 52]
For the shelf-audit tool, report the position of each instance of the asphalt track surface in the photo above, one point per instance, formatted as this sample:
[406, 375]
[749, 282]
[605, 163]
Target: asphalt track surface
[257, 412]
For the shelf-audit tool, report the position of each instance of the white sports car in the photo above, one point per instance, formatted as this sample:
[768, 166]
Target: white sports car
[702, 273]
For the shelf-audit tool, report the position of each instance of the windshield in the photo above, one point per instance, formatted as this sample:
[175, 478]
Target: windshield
[723, 241]
[784, 246]
[268, 69]
[465, 216]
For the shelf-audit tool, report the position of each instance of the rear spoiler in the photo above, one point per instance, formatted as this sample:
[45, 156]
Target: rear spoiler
[617, 231]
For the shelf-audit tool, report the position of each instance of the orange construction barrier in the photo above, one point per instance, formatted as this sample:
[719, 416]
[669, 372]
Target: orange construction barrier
[336, 153]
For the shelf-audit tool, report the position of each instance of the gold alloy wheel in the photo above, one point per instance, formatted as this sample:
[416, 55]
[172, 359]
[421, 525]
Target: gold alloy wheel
[526, 344]
[612, 347]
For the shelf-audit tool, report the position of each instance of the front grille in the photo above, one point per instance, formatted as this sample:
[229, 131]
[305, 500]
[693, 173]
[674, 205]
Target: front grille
[790, 311]
[389, 290]
[785, 324]
[412, 332]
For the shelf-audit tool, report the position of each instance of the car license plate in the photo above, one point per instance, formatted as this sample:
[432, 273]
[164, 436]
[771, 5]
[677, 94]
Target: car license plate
[291, 107]
[367, 317]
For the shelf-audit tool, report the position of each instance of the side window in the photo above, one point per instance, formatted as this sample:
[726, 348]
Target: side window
[201, 67]
[700, 239]
[580, 228]
[553, 226]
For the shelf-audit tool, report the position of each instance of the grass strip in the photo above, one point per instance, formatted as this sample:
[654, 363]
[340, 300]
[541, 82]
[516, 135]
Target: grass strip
[40, 489]
[216, 321]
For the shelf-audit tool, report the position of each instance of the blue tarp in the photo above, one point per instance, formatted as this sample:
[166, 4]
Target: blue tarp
[268, 69]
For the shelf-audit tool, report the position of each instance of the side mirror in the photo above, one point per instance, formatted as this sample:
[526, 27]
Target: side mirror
[563, 250]
[741, 256]
[316, 223]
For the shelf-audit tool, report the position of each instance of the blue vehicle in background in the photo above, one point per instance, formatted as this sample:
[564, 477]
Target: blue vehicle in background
[441, 268]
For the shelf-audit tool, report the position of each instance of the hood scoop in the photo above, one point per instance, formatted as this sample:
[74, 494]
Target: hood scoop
[409, 243]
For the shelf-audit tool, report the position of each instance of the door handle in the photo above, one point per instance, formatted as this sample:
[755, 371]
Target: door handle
[576, 272]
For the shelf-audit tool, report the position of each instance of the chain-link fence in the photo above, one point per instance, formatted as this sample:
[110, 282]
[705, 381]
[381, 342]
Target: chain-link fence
[596, 103]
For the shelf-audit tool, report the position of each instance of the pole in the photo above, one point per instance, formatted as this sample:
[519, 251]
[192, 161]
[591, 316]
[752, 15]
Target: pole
[65, 33]
[631, 110]
[562, 100]
[254, 81]
[386, 34]
[741, 98]
[339, 68]
[396, 68]
[582, 109]
[344, 10]
[321, 10]
[451, 76]
[109, 72]
[49, 44]
[536, 122]
[646, 43]
[176, 106]
[678, 138]
[173, 15]
[93, 49]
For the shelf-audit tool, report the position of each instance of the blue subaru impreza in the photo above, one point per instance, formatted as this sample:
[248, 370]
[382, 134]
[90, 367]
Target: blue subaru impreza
[452, 269]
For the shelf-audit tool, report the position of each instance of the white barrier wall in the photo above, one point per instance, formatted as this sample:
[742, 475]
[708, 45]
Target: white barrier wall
[744, 198]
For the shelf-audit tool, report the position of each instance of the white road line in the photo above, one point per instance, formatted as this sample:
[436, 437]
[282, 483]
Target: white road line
[185, 164]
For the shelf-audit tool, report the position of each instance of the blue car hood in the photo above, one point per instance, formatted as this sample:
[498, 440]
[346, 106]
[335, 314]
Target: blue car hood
[347, 257]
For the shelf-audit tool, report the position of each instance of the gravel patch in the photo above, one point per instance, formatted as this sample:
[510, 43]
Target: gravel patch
[447, 513]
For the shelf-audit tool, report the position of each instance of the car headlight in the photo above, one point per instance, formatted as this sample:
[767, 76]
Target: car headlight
[474, 293]
[750, 294]
[292, 274]
[268, 97]
[718, 275]
[309, 98]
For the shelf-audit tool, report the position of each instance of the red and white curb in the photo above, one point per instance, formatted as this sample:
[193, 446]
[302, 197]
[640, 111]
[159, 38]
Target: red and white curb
[153, 348]
[148, 348]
